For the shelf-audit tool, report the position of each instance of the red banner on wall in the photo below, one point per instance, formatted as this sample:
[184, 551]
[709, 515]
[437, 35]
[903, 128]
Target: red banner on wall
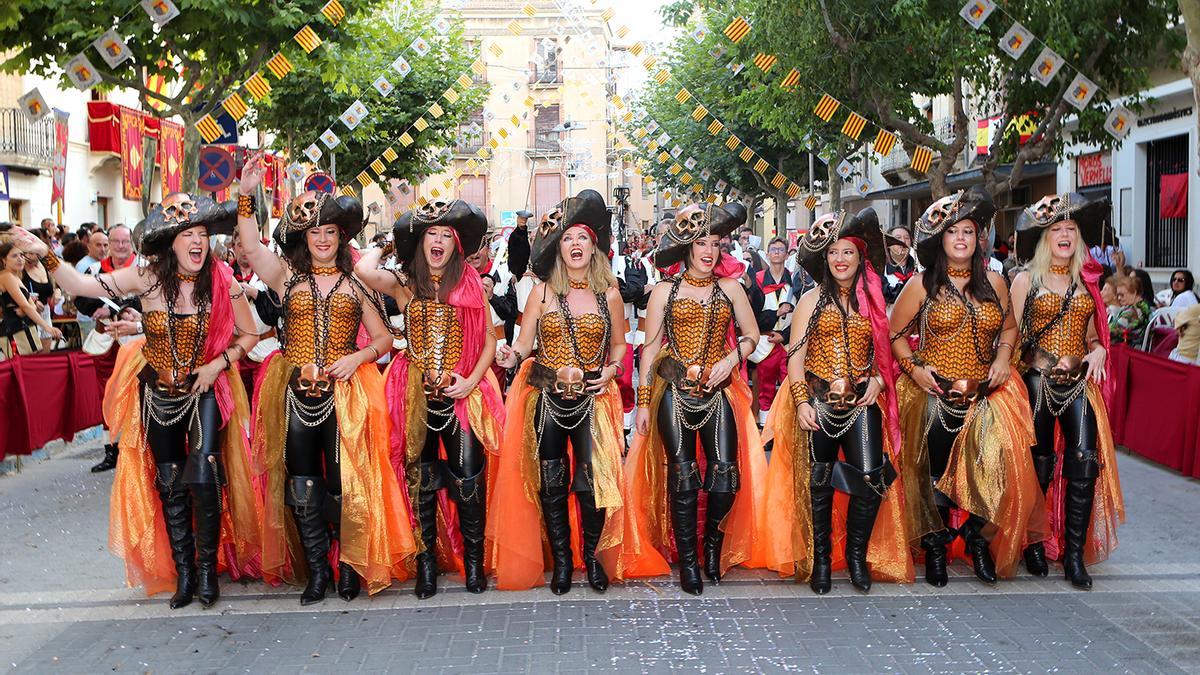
[170, 156]
[132, 128]
[59, 169]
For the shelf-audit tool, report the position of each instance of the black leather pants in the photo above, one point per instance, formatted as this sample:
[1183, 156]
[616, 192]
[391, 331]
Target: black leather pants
[718, 435]
[464, 452]
[861, 444]
[552, 436]
[1078, 424]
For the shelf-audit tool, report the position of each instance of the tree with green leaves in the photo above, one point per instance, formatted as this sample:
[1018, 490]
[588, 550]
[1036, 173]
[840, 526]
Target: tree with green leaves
[347, 72]
[720, 91]
[204, 54]
[879, 59]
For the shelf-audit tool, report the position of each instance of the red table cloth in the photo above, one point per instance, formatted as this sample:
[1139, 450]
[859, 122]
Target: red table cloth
[1153, 410]
[46, 397]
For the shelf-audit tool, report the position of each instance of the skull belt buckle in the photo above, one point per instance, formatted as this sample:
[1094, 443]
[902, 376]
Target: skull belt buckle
[173, 383]
[568, 382]
[963, 393]
[1068, 370]
[842, 395]
[313, 381]
[694, 380]
[435, 385]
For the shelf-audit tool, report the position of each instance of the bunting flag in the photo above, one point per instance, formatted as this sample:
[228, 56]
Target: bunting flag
[235, 106]
[737, 30]
[258, 86]
[390, 154]
[529, 10]
[279, 65]
[607, 14]
[791, 79]
[334, 11]
[495, 50]
[760, 166]
[406, 139]
[662, 76]
[793, 190]
[765, 62]
[420, 124]
[514, 27]
[700, 113]
[747, 154]
[637, 49]
[686, 179]
[363, 178]
[348, 190]
[716, 127]
[436, 111]
[732, 142]
[826, 107]
[623, 32]
[811, 202]
[209, 129]
[450, 95]
[778, 181]
[308, 39]
[884, 141]
[377, 166]
[922, 157]
[663, 157]
[854, 125]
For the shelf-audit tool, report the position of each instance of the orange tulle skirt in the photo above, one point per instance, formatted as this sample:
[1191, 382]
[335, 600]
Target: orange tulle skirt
[520, 548]
[790, 507]
[989, 472]
[137, 531]
[376, 527]
[648, 542]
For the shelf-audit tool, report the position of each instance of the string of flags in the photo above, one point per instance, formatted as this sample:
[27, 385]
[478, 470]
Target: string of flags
[1017, 40]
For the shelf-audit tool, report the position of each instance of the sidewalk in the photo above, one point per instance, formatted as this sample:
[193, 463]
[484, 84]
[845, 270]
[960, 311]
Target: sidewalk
[64, 607]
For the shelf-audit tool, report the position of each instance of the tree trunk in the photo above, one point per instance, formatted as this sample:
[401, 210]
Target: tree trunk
[835, 191]
[781, 214]
[191, 155]
[1191, 55]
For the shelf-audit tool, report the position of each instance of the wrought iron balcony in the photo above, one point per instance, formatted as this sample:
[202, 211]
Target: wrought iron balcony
[26, 144]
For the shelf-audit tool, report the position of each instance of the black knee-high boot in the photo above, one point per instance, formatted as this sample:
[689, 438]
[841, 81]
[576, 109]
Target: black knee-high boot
[860, 521]
[977, 546]
[1081, 494]
[306, 496]
[683, 483]
[821, 493]
[721, 483]
[934, 545]
[207, 500]
[592, 523]
[553, 496]
[177, 512]
[1035, 553]
[348, 583]
[468, 495]
[428, 477]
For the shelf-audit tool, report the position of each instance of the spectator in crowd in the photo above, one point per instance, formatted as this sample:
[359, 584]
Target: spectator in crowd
[97, 250]
[42, 293]
[1117, 263]
[1128, 319]
[1187, 325]
[74, 249]
[1182, 289]
[1106, 255]
[771, 297]
[18, 314]
[1146, 286]
[900, 264]
[53, 234]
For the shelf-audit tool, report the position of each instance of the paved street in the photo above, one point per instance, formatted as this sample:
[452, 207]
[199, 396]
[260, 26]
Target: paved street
[63, 608]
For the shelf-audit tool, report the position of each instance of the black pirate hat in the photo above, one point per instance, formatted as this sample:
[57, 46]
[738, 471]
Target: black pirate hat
[831, 227]
[311, 209]
[180, 211]
[586, 208]
[691, 223]
[466, 219]
[974, 204]
[1090, 215]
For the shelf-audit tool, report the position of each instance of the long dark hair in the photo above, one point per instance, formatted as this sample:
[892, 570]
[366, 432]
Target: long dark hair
[937, 279]
[421, 282]
[164, 266]
[300, 259]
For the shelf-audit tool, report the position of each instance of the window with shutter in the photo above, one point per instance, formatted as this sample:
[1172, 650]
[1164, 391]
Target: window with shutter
[545, 137]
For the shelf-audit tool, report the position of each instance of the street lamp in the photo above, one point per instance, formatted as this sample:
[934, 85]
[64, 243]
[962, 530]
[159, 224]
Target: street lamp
[567, 127]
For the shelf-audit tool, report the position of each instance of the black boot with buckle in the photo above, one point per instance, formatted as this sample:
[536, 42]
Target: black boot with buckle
[177, 512]
[683, 484]
[592, 523]
[1081, 469]
[553, 496]
[821, 492]
[722, 484]
[306, 496]
[428, 477]
[468, 495]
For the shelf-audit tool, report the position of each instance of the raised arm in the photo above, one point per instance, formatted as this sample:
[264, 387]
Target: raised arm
[266, 264]
[125, 281]
[377, 279]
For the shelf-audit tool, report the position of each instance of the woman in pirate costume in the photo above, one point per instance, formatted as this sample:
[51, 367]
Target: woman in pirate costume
[839, 394]
[178, 405]
[1064, 344]
[321, 423]
[566, 393]
[965, 420]
[694, 394]
[445, 404]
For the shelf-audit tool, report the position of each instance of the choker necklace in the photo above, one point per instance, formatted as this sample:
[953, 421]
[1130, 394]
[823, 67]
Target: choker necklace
[324, 271]
[957, 273]
[435, 278]
[185, 278]
[844, 291]
[706, 281]
[578, 285]
[1060, 269]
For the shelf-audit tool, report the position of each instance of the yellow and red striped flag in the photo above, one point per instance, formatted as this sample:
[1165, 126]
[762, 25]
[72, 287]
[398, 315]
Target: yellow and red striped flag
[884, 142]
[637, 48]
[686, 179]
[420, 124]
[746, 154]
[514, 27]
[279, 65]
[464, 80]
[737, 30]
[793, 189]
[496, 50]
[436, 111]
[826, 107]
[607, 14]
[765, 62]
[663, 157]
[649, 61]
[761, 165]
[390, 155]
[700, 113]
[209, 129]
[675, 169]
[639, 133]
[617, 102]
[258, 86]
[334, 11]
[516, 121]
[715, 127]
[732, 142]
[377, 166]
[791, 79]
[811, 202]
[364, 178]
[622, 32]
[529, 10]
[348, 190]
[779, 180]
[308, 39]
[854, 125]
[235, 105]
[406, 139]
[683, 96]
[450, 95]
[662, 76]
[922, 157]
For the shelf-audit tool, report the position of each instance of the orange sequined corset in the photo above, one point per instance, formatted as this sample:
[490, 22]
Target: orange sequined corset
[946, 336]
[554, 348]
[829, 357]
[188, 341]
[345, 312]
[435, 339]
[689, 320]
[1069, 336]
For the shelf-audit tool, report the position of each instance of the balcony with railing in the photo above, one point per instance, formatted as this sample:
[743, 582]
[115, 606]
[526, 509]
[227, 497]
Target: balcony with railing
[26, 144]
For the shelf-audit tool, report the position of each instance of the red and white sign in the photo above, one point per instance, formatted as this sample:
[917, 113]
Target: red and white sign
[1093, 169]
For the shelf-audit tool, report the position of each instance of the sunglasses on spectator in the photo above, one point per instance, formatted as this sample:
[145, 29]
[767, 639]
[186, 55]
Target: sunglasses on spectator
[1179, 280]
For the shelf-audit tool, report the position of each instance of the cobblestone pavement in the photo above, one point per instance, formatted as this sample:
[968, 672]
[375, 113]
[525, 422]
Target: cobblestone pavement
[64, 608]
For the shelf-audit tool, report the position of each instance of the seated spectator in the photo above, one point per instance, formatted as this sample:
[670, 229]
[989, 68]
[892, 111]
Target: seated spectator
[1187, 325]
[1127, 320]
[1182, 293]
[19, 317]
[1146, 285]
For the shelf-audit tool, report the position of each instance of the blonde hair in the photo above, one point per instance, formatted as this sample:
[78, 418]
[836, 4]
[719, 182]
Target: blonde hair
[1039, 266]
[599, 275]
